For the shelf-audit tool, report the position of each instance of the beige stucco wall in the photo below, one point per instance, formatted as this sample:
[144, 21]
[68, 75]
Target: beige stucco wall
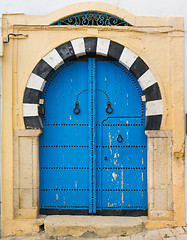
[158, 41]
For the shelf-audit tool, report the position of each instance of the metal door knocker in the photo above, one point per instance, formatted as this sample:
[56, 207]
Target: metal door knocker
[76, 110]
[109, 109]
[119, 138]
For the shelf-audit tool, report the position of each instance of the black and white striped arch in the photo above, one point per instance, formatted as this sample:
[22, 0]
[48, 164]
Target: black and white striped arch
[93, 46]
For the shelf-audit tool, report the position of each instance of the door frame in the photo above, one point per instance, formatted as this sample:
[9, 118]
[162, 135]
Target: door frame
[104, 47]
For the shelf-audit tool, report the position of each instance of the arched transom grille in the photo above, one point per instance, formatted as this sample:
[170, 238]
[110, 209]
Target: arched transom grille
[92, 19]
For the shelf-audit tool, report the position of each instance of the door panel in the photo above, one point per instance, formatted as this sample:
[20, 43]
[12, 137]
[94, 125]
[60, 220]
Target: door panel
[60, 178]
[122, 89]
[61, 157]
[122, 174]
[129, 134]
[71, 135]
[64, 199]
[124, 200]
[70, 178]
[64, 145]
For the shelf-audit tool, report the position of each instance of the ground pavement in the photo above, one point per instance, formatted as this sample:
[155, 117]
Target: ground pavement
[178, 233]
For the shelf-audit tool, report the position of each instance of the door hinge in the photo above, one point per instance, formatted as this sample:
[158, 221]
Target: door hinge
[41, 110]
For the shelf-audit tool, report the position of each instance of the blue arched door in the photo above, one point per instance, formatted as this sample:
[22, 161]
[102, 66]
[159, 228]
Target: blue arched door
[93, 146]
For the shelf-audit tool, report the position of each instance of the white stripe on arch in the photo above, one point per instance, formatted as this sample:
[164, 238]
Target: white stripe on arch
[36, 82]
[154, 108]
[53, 59]
[147, 80]
[127, 58]
[30, 110]
[102, 46]
[78, 47]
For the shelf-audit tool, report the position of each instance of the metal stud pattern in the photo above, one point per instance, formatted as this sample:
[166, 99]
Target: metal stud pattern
[74, 173]
[92, 135]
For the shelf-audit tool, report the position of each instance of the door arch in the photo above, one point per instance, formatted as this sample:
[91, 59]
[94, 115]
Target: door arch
[93, 154]
[89, 46]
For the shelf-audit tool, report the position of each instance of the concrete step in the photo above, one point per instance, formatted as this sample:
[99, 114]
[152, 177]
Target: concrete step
[92, 226]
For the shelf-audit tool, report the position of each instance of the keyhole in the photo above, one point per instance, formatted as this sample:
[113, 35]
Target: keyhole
[105, 157]
[119, 138]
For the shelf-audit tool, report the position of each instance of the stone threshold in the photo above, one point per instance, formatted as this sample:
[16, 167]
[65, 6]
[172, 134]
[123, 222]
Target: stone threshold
[98, 226]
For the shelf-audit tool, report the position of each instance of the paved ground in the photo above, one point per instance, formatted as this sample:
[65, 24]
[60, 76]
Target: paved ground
[179, 233]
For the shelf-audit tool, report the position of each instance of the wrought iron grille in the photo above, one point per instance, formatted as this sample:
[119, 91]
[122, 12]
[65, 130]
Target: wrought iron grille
[92, 19]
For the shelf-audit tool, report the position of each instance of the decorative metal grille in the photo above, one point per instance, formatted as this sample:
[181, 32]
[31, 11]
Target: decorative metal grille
[92, 19]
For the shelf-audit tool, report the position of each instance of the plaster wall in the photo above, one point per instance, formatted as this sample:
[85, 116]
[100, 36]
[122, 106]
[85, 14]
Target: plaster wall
[171, 43]
[19, 195]
[146, 8]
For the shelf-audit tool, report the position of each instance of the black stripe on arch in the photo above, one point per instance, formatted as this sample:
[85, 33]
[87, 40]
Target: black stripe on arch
[32, 96]
[90, 45]
[152, 92]
[43, 69]
[153, 122]
[115, 50]
[33, 122]
[139, 67]
[66, 51]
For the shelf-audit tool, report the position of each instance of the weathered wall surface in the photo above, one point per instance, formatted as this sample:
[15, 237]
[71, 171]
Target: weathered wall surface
[160, 43]
[165, 147]
[154, 8]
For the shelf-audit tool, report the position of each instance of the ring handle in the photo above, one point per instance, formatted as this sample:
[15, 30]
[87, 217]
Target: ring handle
[119, 138]
[109, 109]
[76, 110]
